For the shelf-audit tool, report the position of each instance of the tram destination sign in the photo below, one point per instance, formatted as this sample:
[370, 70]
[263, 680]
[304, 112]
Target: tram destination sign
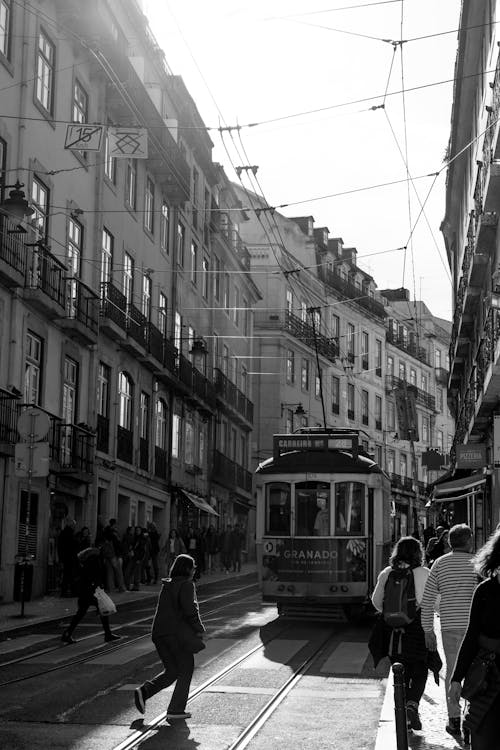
[314, 441]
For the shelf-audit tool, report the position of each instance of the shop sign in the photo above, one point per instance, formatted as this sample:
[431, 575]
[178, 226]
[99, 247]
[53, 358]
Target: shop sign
[472, 456]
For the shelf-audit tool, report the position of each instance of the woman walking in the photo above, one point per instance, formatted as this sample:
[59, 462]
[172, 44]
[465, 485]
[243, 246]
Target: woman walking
[91, 576]
[406, 644]
[174, 546]
[176, 615]
[483, 637]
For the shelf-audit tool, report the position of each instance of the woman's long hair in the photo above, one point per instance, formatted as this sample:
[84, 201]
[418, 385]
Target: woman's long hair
[182, 566]
[487, 559]
[407, 550]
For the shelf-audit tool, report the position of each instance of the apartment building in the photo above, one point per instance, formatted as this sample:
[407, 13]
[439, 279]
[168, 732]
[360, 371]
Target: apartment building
[121, 284]
[470, 230]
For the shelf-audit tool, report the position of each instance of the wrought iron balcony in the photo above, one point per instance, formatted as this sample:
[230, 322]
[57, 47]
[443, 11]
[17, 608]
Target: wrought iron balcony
[418, 352]
[82, 312]
[113, 311]
[230, 474]
[8, 419]
[232, 395]
[422, 397]
[75, 449]
[137, 325]
[302, 331]
[45, 281]
[13, 253]
[360, 297]
[198, 388]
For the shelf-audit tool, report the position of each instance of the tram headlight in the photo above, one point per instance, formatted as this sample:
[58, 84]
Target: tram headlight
[281, 587]
[345, 589]
[291, 589]
[334, 588]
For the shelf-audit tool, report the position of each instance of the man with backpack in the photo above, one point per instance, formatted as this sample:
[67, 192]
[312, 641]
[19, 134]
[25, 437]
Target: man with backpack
[398, 634]
[453, 579]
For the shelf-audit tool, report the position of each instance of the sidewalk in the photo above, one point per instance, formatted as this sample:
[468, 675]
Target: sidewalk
[433, 714]
[53, 608]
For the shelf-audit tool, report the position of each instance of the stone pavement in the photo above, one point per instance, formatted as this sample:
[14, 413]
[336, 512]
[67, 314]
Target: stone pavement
[49, 608]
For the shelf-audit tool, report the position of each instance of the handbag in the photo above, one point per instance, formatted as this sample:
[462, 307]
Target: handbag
[105, 604]
[477, 677]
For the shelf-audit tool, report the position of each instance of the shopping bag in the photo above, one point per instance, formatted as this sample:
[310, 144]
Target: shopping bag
[105, 604]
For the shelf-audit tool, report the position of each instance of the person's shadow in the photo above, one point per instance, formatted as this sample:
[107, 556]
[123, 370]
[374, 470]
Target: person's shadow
[175, 734]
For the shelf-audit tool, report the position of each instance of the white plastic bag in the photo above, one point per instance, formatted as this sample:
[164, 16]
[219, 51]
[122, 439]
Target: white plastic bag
[105, 604]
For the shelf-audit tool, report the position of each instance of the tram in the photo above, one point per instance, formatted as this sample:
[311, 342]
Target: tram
[323, 523]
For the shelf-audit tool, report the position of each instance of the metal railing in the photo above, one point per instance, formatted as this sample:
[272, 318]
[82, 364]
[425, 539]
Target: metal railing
[113, 304]
[82, 304]
[231, 474]
[47, 273]
[232, 395]
[12, 248]
[361, 297]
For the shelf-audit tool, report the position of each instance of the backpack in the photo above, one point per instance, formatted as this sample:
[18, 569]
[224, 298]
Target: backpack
[400, 602]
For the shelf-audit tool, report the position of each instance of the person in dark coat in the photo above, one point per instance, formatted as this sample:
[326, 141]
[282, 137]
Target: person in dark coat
[139, 550]
[212, 545]
[176, 610]
[483, 636]
[83, 539]
[67, 550]
[154, 538]
[91, 576]
[406, 645]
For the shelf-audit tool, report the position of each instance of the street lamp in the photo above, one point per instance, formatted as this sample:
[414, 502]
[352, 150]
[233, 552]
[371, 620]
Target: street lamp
[16, 207]
[299, 411]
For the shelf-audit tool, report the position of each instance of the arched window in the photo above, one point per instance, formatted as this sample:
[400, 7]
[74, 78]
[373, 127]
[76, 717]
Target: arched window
[161, 424]
[125, 398]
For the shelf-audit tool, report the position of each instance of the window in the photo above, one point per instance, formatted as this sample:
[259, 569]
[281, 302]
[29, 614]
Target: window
[317, 384]
[391, 416]
[103, 378]
[303, 311]
[206, 277]
[403, 465]
[413, 376]
[402, 371]
[350, 401]
[149, 205]
[217, 272]
[350, 342]
[70, 388]
[80, 111]
[425, 429]
[125, 401]
[44, 78]
[176, 436]
[162, 313]
[195, 187]
[364, 406]
[390, 365]
[225, 360]
[144, 416]
[424, 382]
[74, 255]
[106, 256]
[312, 509]
[378, 413]
[33, 369]
[439, 399]
[438, 357]
[365, 344]
[236, 308]
[194, 261]
[109, 161]
[244, 380]
[161, 424]
[40, 203]
[146, 296]
[289, 301]
[349, 508]
[246, 318]
[290, 366]
[335, 395]
[226, 299]
[177, 330]
[128, 278]
[278, 507]
[391, 461]
[188, 452]
[378, 358]
[5, 28]
[181, 239]
[440, 440]
[131, 183]
[335, 328]
[304, 377]
[164, 228]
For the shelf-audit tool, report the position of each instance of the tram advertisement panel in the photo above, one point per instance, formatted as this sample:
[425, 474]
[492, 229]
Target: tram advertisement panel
[316, 560]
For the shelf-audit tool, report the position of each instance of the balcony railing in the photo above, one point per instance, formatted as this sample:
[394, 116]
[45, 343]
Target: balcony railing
[12, 252]
[160, 462]
[360, 297]
[402, 482]
[113, 304]
[155, 341]
[421, 397]
[124, 444]
[228, 230]
[301, 330]
[47, 273]
[231, 474]
[137, 325]
[407, 346]
[75, 449]
[233, 396]
[102, 433]
[8, 417]
[82, 304]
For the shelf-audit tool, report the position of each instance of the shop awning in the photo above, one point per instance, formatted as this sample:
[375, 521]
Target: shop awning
[458, 489]
[198, 502]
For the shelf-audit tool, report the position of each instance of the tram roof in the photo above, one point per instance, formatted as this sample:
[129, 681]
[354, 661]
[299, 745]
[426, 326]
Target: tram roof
[319, 461]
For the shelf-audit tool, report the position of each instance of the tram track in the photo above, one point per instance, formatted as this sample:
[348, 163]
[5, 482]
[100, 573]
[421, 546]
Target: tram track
[118, 646]
[248, 733]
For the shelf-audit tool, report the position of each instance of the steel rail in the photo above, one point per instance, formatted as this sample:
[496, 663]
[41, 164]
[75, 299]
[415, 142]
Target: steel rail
[87, 656]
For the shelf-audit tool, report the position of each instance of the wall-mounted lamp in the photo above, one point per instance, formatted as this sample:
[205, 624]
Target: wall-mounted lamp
[198, 347]
[16, 206]
[299, 411]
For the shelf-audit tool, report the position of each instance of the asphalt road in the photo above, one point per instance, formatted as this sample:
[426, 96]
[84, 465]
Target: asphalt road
[80, 697]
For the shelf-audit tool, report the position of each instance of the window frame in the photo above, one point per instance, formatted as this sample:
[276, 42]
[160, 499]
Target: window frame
[45, 66]
[149, 205]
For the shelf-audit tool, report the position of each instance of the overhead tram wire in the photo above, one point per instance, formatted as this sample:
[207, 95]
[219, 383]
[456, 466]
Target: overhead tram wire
[333, 10]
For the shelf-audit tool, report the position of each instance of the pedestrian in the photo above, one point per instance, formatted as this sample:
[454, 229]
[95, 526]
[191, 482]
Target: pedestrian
[452, 579]
[192, 543]
[482, 637]
[113, 554]
[235, 546]
[174, 546]
[91, 576]
[139, 553]
[225, 549]
[146, 567]
[176, 612]
[154, 538]
[212, 545]
[429, 533]
[128, 540]
[67, 550]
[406, 644]
[83, 539]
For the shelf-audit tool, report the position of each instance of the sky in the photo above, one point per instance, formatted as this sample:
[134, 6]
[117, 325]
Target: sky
[305, 67]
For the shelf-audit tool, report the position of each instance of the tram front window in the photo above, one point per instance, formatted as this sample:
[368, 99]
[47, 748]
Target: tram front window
[350, 509]
[278, 502]
[312, 509]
